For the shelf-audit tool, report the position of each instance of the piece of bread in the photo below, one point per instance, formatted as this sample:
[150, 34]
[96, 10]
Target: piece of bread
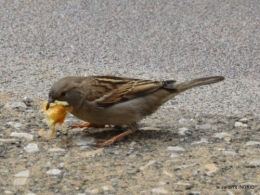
[56, 113]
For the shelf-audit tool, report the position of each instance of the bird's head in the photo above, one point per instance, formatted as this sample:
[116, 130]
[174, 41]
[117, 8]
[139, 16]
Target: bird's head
[66, 89]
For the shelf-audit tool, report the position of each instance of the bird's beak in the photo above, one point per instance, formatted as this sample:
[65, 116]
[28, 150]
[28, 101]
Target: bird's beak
[49, 102]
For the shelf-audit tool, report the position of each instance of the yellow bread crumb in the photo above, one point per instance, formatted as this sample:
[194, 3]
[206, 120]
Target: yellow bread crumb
[56, 112]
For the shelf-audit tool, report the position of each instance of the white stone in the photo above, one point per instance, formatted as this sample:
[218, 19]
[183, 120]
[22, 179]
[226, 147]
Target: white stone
[150, 128]
[252, 143]
[105, 188]
[239, 124]
[7, 140]
[94, 191]
[176, 148]
[222, 135]
[203, 127]
[20, 181]
[182, 120]
[211, 169]
[23, 174]
[30, 193]
[22, 135]
[203, 140]
[159, 191]
[8, 192]
[17, 125]
[244, 120]
[255, 162]
[31, 147]
[167, 173]
[83, 141]
[232, 153]
[182, 130]
[53, 172]
[183, 184]
[173, 155]
[148, 164]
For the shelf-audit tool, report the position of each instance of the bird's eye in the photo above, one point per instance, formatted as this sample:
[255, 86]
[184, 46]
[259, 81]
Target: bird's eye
[63, 93]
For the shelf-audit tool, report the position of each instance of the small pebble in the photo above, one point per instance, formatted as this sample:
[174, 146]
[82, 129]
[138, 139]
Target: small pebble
[203, 127]
[23, 174]
[252, 143]
[8, 192]
[255, 162]
[227, 139]
[182, 120]
[31, 147]
[20, 181]
[176, 148]
[92, 153]
[244, 120]
[173, 155]
[167, 173]
[184, 184]
[147, 165]
[22, 135]
[8, 140]
[53, 172]
[94, 191]
[239, 124]
[211, 169]
[27, 101]
[150, 128]
[105, 188]
[182, 131]
[222, 135]
[203, 140]
[83, 141]
[159, 191]
[15, 125]
[231, 153]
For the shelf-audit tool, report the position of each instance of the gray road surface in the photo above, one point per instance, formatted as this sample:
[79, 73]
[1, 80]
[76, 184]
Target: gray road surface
[42, 41]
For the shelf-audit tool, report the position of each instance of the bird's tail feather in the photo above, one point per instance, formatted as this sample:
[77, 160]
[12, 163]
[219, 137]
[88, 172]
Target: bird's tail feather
[180, 87]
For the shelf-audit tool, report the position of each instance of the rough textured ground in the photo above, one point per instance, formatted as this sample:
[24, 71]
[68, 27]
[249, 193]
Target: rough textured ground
[190, 146]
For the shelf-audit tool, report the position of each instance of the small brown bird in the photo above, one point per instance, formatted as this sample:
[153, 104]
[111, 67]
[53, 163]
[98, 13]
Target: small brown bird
[118, 101]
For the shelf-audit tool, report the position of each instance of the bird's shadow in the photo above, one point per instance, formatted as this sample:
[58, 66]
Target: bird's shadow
[90, 136]
[139, 135]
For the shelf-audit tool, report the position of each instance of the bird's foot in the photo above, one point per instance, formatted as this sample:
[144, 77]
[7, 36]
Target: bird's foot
[105, 143]
[86, 125]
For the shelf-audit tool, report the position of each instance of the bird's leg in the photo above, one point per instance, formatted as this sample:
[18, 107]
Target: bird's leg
[86, 125]
[104, 143]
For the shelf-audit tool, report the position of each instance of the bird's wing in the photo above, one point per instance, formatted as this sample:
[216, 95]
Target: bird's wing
[108, 90]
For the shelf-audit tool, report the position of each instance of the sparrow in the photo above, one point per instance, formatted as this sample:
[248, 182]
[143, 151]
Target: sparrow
[117, 101]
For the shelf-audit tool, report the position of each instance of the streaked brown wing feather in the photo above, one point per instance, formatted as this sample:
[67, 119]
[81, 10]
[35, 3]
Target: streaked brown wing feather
[107, 91]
